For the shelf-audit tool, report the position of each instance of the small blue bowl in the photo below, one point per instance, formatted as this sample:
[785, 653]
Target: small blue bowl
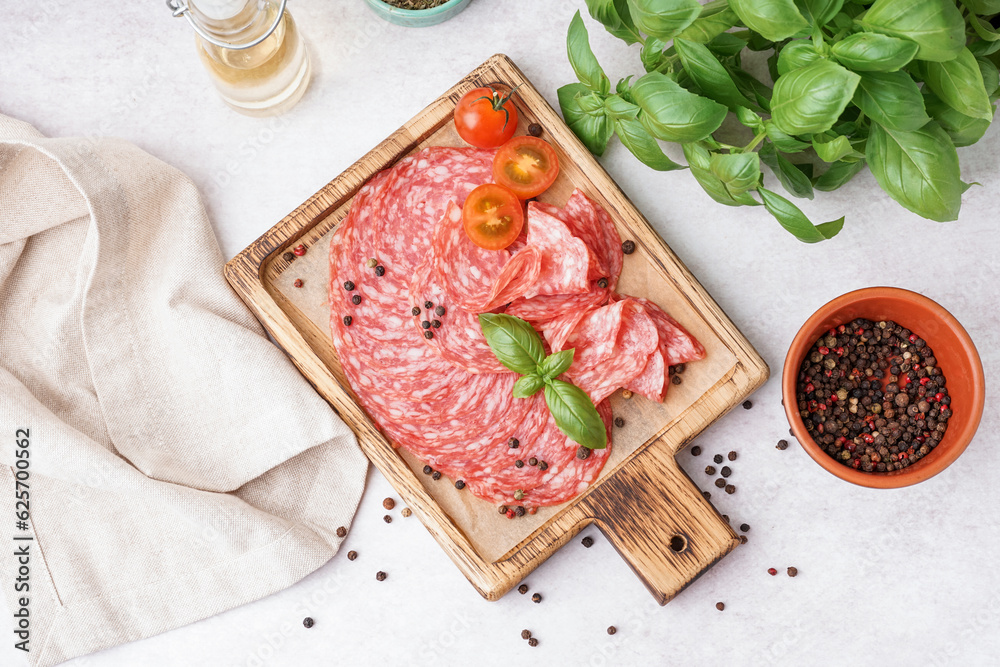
[417, 18]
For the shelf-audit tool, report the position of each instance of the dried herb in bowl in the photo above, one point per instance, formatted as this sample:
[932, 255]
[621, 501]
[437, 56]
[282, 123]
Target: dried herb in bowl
[415, 4]
[872, 396]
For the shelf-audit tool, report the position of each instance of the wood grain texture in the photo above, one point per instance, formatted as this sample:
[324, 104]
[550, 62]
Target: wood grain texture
[648, 508]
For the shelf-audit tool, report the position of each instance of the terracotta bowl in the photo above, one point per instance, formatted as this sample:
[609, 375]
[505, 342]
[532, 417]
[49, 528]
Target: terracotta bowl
[957, 358]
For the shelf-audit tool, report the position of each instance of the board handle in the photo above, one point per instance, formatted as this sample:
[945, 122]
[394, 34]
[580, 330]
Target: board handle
[659, 522]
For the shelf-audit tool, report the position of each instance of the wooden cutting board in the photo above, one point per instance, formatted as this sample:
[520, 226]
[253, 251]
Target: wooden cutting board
[643, 502]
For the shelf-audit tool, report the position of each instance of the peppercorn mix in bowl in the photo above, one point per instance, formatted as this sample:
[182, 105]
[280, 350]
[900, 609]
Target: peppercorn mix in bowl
[883, 387]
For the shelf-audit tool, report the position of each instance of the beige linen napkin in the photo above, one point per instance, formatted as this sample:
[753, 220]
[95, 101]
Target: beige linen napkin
[179, 465]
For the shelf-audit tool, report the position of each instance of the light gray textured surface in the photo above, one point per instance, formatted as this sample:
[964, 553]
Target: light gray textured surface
[900, 577]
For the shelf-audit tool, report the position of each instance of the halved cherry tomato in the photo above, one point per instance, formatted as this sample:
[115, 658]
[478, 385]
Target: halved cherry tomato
[492, 216]
[485, 118]
[526, 166]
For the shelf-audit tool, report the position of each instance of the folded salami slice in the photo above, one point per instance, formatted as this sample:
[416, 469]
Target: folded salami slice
[565, 259]
[676, 344]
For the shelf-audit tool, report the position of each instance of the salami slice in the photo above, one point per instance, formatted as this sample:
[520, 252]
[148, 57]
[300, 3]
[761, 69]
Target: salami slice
[676, 344]
[547, 307]
[652, 381]
[565, 259]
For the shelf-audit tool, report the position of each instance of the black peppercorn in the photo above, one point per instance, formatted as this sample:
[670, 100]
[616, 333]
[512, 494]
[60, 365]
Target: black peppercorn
[732, 456]
[542, 465]
[676, 379]
[439, 311]
[428, 470]
[518, 463]
[523, 588]
[582, 453]
[717, 458]
[425, 324]
[347, 320]
[707, 495]
[520, 510]
[387, 518]
[720, 606]
[532, 642]
[726, 471]
[696, 451]
[460, 484]
[308, 622]
[720, 483]
[380, 576]
[730, 489]
[628, 247]
[587, 541]
[503, 510]
[356, 299]
[747, 405]
[532, 461]
[288, 256]
[792, 571]
[602, 283]
[782, 444]
[536, 598]
[349, 286]
[709, 470]
[535, 130]
[379, 270]
[745, 527]
[436, 324]
[428, 304]
[352, 555]
[612, 630]
[341, 531]
[415, 311]
[428, 334]
[436, 476]
[525, 634]
[513, 443]
[619, 422]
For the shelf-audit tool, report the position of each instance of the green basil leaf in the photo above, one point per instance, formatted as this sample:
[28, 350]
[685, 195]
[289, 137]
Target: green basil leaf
[556, 364]
[982, 6]
[811, 99]
[983, 28]
[757, 42]
[726, 45]
[575, 414]
[751, 88]
[617, 108]
[832, 149]
[838, 174]
[774, 19]
[963, 130]
[582, 59]
[936, 26]
[750, 119]
[527, 386]
[795, 221]
[873, 52]
[651, 54]
[710, 23]
[593, 131]
[643, 145]
[673, 114]
[699, 162]
[514, 342]
[787, 173]
[615, 18]
[591, 103]
[959, 83]
[918, 169]
[782, 141]
[819, 12]
[891, 99]
[664, 18]
[706, 71]
[739, 172]
[991, 75]
[796, 54]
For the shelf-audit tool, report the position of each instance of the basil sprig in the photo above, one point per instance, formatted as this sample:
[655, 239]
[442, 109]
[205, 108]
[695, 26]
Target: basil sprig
[894, 85]
[517, 346]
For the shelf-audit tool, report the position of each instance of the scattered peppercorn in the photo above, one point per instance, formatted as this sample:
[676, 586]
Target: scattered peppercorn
[782, 444]
[732, 456]
[532, 461]
[522, 589]
[436, 324]
[696, 451]
[792, 571]
[676, 379]
[387, 518]
[626, 394]
[288, 257]
[425, 324]
[371, 263]
[388, 503]
[602, 283]
[341, 532]
[720, 606]
[532, 642]
[619, 422]
[439, 311]
[721, 483]
[582, 453]
[356, 299]
[428, 470]
[717, 458]
[347, 320]
[730, 489]
[460, 484]
[352, 555]
[542, 465]
[726, 471]
[379, 270]
[308, 622]
[525, 634]
[747, 405]
[298, 282]
[436, 476]
[502, 509]
[428, 304]
[520, 511]
[707, 495]
[518, 494]
[628, 247]
[380, 575]
[536, 598]
[349, 286]
[518, 463]
[771, 571]
[299, 250]
[745, 527]
[535, 130]
[513, 443]
[406, 512]
[415, 311]
[612, 630]
[428, 334]
[743, 539]
[588, 541]
[709, 470]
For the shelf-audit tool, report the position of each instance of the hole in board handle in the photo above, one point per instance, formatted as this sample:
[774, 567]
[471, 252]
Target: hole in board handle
[678, 543]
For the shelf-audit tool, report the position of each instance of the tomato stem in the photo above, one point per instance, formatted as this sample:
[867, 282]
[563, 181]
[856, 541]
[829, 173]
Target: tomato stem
[498, 101]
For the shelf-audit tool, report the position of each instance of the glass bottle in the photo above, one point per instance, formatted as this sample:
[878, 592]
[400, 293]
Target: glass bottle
[253, 51]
